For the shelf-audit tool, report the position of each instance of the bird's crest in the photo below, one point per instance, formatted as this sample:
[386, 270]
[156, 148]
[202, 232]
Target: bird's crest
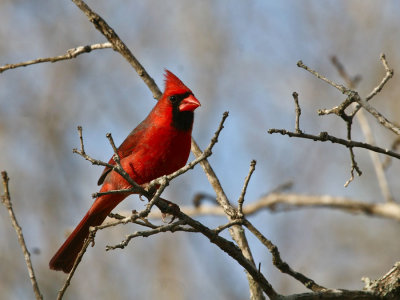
[173, 85]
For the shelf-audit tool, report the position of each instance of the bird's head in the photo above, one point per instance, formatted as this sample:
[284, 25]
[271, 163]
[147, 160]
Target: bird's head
[180, 101]
[179, 94]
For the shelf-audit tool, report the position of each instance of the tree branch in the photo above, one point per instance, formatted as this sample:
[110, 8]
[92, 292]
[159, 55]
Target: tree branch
[6, 200]
[324, 137]
[71, 53]
[352, 82]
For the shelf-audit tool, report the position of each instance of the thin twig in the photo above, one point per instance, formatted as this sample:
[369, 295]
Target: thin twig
[71, 53]
[297, 111]
[135, 187]
[221, 228]
[81, 139]
[340, 87]
[354, 165]
[89, 240]
[6, 200]
[324, 137]
[82, 152]
[244, 189]
[389, 75]
[354, 97]
[381, 119]
[173, 227]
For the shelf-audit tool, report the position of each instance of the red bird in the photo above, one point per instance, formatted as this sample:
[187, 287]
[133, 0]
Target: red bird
[158, 146]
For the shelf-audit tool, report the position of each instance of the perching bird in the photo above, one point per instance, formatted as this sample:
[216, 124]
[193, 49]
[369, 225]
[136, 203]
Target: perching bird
[158, 146]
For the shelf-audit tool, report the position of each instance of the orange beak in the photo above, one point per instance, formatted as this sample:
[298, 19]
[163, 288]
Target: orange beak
[190, 103]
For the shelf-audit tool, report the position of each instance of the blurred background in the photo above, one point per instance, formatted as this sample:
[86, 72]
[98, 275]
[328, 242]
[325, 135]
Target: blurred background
[235, 56]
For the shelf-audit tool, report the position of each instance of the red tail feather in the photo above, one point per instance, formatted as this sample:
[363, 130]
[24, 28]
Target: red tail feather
[65, 257]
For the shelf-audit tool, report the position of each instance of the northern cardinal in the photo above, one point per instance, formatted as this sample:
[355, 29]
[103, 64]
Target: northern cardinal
[158, 146]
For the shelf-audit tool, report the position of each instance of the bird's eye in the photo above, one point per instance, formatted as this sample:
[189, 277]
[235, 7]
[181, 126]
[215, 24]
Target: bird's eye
[173, 98]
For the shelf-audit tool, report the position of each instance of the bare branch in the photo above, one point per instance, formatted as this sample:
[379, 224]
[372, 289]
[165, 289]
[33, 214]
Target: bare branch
[324, 137]
[366, 129]
[381, 119]
[89, 240]
[244, 189]
[354, 97]
[297, 111]
[221, 228]
[176, 226]
[341, 88]
[71, 53]
[333, 294]
[135, 187]
[389, 75]
[82, 152]
[6, 200]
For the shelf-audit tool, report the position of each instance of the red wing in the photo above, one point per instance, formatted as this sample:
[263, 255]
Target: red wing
[126, 148]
